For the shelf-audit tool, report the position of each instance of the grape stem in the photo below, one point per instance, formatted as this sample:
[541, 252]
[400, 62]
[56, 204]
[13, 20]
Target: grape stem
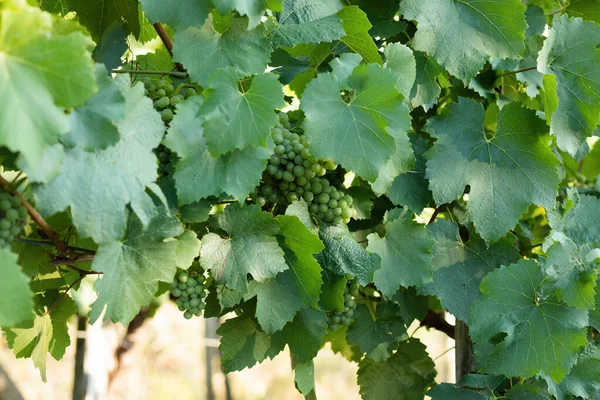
[36, 217]
[175, 74]
[518, 71]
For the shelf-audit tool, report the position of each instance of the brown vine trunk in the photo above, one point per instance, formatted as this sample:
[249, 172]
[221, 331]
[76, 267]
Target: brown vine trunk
[465, 360]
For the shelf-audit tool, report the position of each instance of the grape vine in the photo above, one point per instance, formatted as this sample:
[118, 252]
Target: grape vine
[335, 172]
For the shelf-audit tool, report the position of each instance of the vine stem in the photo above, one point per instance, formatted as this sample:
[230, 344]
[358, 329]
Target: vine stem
[36, 217]
[175, 74]
[519, 71]
[164, 36]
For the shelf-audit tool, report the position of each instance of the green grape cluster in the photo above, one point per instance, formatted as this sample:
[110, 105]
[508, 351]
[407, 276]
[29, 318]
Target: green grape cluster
[166, 160]
[12, 217]
[165, 96]
[344, 317]
[189, 288]
[293, 173]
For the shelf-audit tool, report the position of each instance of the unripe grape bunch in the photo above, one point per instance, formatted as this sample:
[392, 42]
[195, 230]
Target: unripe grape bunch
[189, 290]
[293, 173]
[165, 96]
[12, 218]
[344, 317]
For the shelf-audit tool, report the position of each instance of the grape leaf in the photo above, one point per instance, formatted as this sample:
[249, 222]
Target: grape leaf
[46, 65]
[406, 374]
[179, 15]
[49, 333]
[447, 391]
[459, 267]
[356, 134]
[506, 173]
[411, 189]
[250, 248]
[307, 21]
[234, 119]
[378, 337]
[16, 298]
[582, 381]
[112, 46]
[343, 255]
[254, 9]
[93, 125]
[586, 9]
[99, 15]
[304, 334]
[571, 273]
[426, 88]
[332, 291]
[543, 335]
[581, 221]
[243, 344]
[279, 299]
[203, 50]
[571, 55]
[304, 377]
[400, 59]
[524, 391]
[356, 27]
[198, 175]
[132, 268]
[188, 248]
[99, 185]
[405, 253]
[462, 35]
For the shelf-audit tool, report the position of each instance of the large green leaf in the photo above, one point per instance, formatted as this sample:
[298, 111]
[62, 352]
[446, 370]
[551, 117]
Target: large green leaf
[400, 59]
[250, 248]
[571, 55]
[406, 374]
[304, 334]
[426, 88]
[377, 336]
[580, 222]
[204, 50]
[307, 21]
[235, 119]
[16, 298]
[586, 9]
[542, 334]
[506, 173]
[99, 15]
[49, 333]
[459, 267]
[410, 188]
[93, 126]
[198, 175]
[583, 379]
[571, 271]
[98, 186]
[177, 14]
[358, 134]
[45, 65]
[343, 255]
[463, 34]
[356, 26]
[405, 253]
[280, 298]
[133, 267]
[254, 9]
[243, 344]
